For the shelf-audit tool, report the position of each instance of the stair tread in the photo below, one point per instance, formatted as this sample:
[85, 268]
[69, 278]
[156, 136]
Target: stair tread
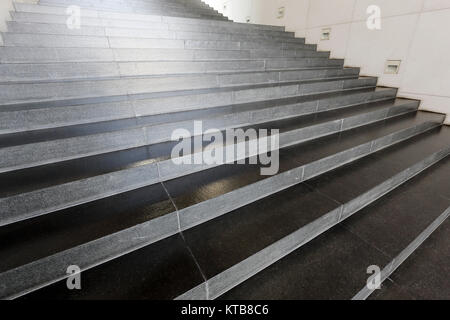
[334, 265]
[225, 241]
[273, 40]
[168, 260]
[66, 72]
[293, 42]
[65, 55]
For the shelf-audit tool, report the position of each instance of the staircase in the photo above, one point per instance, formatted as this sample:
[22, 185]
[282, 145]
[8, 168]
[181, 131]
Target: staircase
[87, 179]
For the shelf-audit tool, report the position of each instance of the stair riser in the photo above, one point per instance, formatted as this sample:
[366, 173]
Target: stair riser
[151, 22]
[49, 270]
[166, 170]
[43, 55]
[232, 277]
[58, 29]
[65, 41]
[15, 93]
[86, 71]
[20, 121]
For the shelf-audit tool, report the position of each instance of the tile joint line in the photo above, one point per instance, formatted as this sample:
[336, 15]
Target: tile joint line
[180, 231]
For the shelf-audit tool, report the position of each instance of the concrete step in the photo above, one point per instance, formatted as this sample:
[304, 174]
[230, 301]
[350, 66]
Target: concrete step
[63, 172]
[41, 55]
[237, 71]
[15, 123]
[141, 7]
[52, 267]
[173, 10]
[18, 119]
[49, 55]
[414, 246]
[30, 155]
[74, 41]
[294, 131]
[168, 170]
[175, 102]
[60, 29]
[423, 276]
[334, 265]
[179, 107]
[148, 87]
[107, 19]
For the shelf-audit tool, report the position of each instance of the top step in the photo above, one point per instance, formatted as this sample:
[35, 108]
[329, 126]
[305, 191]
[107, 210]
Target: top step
[142, 6]
[105, 17]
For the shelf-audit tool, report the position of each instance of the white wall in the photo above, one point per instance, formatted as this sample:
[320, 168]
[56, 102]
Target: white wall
[5, 7]
[237, 10]
[414, 31]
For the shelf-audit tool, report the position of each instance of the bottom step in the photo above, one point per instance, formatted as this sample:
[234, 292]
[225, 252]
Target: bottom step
[334, 265]
[425, 274]
[222, 247]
